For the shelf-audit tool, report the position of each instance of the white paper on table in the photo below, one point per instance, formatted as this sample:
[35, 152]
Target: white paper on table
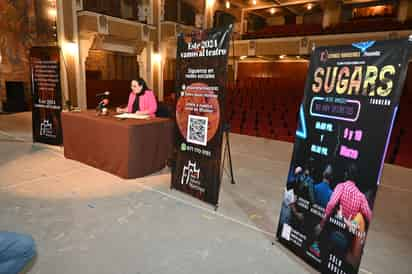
[132, 116]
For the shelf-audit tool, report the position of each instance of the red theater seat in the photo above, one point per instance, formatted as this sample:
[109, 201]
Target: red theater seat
[278, 123]
[249, 129]
[404, 156]
[264, 121]
[281, 131]
[237, 115]
[393, 144]
[390, 153]
[235, 126]
[290, 139]
[266, 132]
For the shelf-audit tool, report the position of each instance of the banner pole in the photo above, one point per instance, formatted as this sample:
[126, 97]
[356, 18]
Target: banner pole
[229, 156]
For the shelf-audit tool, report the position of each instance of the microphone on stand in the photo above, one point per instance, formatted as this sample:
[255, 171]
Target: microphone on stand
[102, 107]
[106, 93]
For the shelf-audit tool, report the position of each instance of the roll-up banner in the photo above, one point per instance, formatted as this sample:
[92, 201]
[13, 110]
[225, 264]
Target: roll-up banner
[201, 72]
[350, 102]
[46, 92]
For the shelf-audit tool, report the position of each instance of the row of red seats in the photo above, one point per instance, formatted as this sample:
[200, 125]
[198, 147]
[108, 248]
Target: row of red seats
[263, 113]
[254, 107]
[403, 133]
[268, 114]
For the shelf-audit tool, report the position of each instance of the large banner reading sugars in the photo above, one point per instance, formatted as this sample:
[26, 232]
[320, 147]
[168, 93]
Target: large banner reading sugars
[201, 69]
[46, 91]
[351, 98]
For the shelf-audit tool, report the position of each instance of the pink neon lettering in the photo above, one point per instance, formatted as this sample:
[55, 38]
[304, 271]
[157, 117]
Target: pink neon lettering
[349, 153]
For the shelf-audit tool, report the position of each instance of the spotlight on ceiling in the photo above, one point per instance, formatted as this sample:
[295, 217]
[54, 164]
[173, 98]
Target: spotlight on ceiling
[227, 4]
[254, 2]
[309, 7]
[272, 11]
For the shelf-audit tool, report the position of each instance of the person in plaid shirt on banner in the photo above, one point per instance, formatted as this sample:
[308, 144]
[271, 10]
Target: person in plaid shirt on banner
[351, 200]
[353, 209]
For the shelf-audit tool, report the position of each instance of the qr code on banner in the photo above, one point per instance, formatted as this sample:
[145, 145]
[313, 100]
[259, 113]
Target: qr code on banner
[197, 130]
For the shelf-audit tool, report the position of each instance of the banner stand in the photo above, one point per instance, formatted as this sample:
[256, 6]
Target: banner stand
[47, 95]
[226, 129]
[226, 151]
[201, 62]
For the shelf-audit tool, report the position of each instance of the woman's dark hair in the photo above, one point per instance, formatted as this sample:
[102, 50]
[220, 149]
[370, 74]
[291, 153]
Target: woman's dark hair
[309, 166]
[143, 84]
[351, 172]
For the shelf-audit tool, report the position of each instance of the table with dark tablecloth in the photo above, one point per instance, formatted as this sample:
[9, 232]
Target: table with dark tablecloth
[129, 148]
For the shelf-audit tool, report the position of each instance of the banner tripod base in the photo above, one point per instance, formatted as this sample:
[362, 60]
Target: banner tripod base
[229, 156]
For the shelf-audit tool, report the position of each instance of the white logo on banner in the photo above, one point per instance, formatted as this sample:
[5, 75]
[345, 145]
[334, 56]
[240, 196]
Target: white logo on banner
[46, 129]
[190, 172]
[191, 175]
[286, 231]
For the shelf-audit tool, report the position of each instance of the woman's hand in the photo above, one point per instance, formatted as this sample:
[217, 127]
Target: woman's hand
[120, 110]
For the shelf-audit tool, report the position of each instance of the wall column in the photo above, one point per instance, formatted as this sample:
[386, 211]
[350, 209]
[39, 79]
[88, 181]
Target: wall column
[404, 10]
[69, 43]
[60, 38]
[332, 13]
[146, 60]
[156, 55]
[209, 13]
[84, 47]
[141, 61]
[242, 21]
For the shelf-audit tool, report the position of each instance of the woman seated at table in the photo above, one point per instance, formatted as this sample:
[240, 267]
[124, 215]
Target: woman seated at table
[141, 99]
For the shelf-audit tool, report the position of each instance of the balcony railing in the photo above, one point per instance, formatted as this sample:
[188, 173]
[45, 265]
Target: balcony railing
[372, 25]
[135, 10]
[121, 9]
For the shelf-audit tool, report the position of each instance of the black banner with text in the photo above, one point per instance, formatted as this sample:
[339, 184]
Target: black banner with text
[47, 98]
[201, 69]
[350, 102]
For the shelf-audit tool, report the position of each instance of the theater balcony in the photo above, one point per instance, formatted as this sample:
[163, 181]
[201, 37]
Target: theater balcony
[130, 9]
[182, 17]
[170, 29]
[358, 26]
[284, 31]
[122, 29]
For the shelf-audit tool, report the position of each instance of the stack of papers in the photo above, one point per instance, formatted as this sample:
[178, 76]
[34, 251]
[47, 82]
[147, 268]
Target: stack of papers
[131, 116]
